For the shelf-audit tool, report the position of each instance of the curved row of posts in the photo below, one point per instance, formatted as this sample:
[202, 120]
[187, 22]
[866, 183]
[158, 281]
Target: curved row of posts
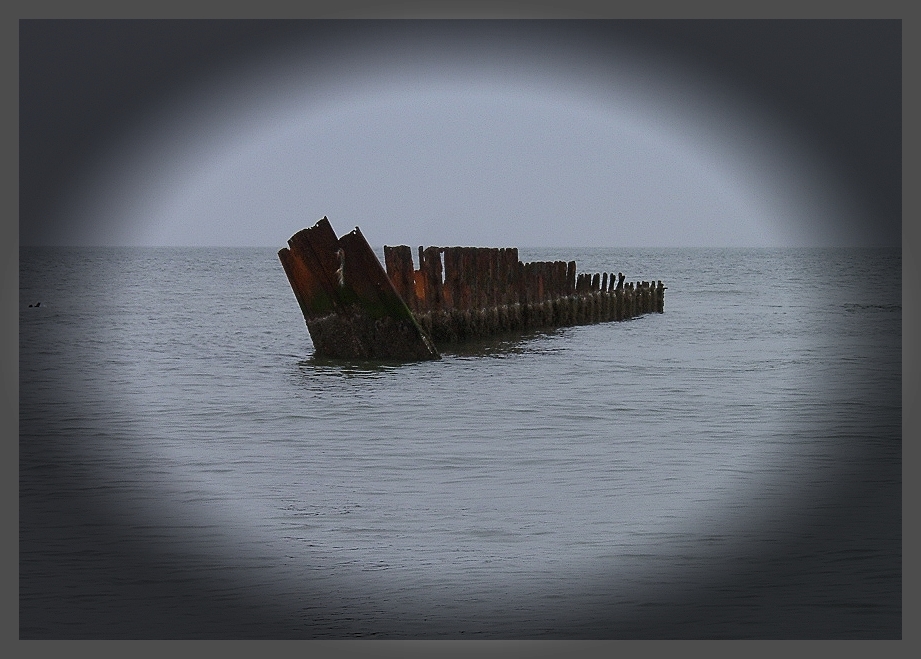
[463, 293]
[354, 309]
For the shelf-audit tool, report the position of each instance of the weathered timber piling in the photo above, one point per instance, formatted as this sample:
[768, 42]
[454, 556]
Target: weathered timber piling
[462, 293]
[354, 308]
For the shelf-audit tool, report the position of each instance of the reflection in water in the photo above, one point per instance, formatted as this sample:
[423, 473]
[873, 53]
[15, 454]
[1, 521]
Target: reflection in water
[498, 347]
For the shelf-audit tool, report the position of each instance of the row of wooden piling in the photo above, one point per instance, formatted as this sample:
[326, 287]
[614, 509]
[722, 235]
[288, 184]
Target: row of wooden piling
[462, 293]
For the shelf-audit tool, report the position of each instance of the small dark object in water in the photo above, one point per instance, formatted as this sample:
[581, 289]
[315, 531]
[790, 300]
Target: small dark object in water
[37, 304]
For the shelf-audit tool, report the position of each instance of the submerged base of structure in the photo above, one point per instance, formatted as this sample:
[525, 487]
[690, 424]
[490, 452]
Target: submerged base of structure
[456, 326]
[355, 335]
[354, 309]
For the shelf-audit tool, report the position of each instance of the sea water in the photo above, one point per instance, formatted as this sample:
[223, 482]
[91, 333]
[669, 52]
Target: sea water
[729, 468]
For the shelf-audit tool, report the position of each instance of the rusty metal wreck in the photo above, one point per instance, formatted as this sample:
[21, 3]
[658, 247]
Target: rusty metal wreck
[355, 309]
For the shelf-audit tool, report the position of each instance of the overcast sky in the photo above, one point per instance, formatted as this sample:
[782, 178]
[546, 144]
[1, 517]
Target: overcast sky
[586, 133]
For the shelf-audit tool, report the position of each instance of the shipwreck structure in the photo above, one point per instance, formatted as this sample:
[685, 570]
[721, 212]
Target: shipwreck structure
[354, 308]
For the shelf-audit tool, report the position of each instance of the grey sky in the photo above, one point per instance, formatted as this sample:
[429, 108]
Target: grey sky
[496, 137]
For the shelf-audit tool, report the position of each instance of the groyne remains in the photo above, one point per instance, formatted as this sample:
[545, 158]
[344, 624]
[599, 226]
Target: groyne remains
[462, 293]
[354, 308]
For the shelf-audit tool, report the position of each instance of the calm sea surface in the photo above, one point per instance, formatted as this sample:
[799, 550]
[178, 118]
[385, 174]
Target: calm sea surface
[730, 468]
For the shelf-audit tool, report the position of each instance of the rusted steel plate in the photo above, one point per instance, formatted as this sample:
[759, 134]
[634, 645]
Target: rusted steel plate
[399, 264]
[351, 307]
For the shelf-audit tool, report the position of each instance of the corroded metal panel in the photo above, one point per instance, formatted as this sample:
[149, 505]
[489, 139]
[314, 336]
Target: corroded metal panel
[351, 308]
